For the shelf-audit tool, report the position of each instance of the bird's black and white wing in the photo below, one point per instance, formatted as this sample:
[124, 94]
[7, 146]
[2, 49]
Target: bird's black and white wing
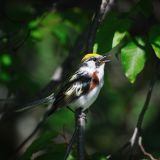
[78, 85]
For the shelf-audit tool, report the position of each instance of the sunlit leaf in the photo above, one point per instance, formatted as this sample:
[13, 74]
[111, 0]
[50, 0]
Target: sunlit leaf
[117, 38]
[33, 24]
[65, 33]
[133, 60]
[157, 49]
[113, 23]
[6, 59]
[37, 34]
[155, 39]
[61, 33]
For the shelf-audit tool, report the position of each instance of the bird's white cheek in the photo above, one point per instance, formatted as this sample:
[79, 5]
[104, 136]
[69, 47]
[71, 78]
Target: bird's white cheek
[100, 72]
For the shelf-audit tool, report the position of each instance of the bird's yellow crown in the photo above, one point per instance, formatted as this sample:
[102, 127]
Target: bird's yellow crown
[89, 55]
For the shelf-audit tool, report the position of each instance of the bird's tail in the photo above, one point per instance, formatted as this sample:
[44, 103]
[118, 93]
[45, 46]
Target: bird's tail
[46, 100]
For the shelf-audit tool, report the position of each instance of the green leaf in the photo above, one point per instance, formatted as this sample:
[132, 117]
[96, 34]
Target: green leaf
[6, 59]
[133, 59]
[118, 36]
[65, 33]
[113, 23]
[61, 33]
[4, 76]
[33, 24]
[154, 37]
[156, 48]
[37, 34]
[95, 48]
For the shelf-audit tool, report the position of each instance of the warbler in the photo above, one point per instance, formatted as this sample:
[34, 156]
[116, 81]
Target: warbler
[80, 91]
[83, 87]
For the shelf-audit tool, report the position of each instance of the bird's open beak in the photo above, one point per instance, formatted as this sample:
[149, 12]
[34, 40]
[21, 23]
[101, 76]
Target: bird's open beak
[104, 59]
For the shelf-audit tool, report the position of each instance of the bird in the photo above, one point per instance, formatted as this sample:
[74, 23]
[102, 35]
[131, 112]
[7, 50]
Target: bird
[80, 91]
[83, 88]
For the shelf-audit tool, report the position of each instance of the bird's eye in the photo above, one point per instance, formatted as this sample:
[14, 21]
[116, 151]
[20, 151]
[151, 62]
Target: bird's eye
[94, 59]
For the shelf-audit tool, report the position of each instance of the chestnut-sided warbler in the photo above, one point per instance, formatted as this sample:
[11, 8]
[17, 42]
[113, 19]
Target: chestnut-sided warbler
[80, 91]
[84, 85]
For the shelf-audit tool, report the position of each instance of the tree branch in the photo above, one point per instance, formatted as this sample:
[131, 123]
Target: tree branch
[47, 113]
[97, 18]
[136, 139]
[81, 120]
[146, 104]
[150, 156]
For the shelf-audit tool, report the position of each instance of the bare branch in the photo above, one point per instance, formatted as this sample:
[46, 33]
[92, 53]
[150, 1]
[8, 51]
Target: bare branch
[145, 107]
[97, 18]
[135, 140]
[150, 156]
[69, 147]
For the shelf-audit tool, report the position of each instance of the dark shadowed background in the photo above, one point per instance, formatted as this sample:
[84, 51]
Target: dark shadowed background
[41, 43]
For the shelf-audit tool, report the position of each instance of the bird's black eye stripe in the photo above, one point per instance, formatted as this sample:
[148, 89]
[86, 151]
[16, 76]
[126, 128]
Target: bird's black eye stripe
[93, 59]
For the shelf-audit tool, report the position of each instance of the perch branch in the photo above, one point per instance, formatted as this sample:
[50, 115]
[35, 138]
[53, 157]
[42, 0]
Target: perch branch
[80, 120]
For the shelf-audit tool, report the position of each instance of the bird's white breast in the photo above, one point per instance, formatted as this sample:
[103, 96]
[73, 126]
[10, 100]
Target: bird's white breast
[85, 101]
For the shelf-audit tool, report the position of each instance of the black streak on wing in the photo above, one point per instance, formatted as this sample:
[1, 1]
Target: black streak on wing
[61, 99]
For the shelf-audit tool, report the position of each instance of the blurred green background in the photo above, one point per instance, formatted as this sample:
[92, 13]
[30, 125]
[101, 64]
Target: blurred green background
[41, 42]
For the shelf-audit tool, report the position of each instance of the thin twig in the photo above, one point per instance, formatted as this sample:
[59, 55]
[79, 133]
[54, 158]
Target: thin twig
[144, 151]
[48, 112]
[134, 140]
[98, 17]
[146, 104]
[21, 43]
[19, 148]
[72, 140]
